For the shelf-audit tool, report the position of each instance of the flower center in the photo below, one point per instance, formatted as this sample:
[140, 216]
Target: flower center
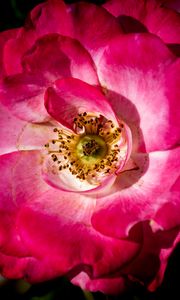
[91, 151]
[91, 148]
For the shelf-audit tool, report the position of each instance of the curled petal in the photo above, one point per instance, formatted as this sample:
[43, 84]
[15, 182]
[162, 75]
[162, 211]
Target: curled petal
[69, 97]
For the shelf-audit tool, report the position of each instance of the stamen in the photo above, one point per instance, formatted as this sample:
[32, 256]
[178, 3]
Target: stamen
[91, 151]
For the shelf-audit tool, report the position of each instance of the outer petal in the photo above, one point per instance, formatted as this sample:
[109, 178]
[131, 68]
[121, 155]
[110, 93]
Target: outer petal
[20, 182]
[69, 96]
[23, 94]
[75, 22]
[159, 20]
[110, 286]
[147, 265]
[168, 215]
[65, 241]
[174, 4]
[164, 256]
[19, 266]
[28, 203]
[36, 26]
[147, 268]
[4, 37]
[103, 26]
[15, 49]
[137, 197]
[78, 16]
[142, 71]
[29, 268]
[52, 57]
[66, 238]
[54, 10]
[69, 21]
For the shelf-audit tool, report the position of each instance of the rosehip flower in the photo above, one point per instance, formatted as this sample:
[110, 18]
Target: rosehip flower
[89, 144]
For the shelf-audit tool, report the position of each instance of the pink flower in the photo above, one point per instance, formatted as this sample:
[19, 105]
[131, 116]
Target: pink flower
[89, 144]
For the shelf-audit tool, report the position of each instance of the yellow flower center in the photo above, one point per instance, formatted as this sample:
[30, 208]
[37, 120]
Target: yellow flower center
[92, 149]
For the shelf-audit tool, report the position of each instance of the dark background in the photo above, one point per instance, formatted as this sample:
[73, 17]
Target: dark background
[13, 14]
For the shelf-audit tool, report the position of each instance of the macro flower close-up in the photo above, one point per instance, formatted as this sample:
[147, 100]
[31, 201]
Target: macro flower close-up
[89, 144]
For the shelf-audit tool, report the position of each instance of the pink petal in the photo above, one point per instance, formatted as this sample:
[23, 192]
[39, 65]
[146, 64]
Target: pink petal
[65, 241]
[147, 265]
[23, 94]
[137, 194]
[108, 286]
[51, 58]
[164, 256]
[21, 182]
[4, 37]
[54, 56]
[67, 20]
[168, 215]
[158, 20]
[54, 10]
[65, 236]
[22, 179]
[174, 4]
[71, 96]
[164, 23]
[36, 26]
[129, 8]
[35, 136]
[10, 129]
[103, 26]
[31, 269]
[142, 75]
[147, 268]
[18, 269]
[14, 50]
[16, 134]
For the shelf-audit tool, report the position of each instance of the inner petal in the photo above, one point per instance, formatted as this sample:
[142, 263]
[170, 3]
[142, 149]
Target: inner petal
[88, 157]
